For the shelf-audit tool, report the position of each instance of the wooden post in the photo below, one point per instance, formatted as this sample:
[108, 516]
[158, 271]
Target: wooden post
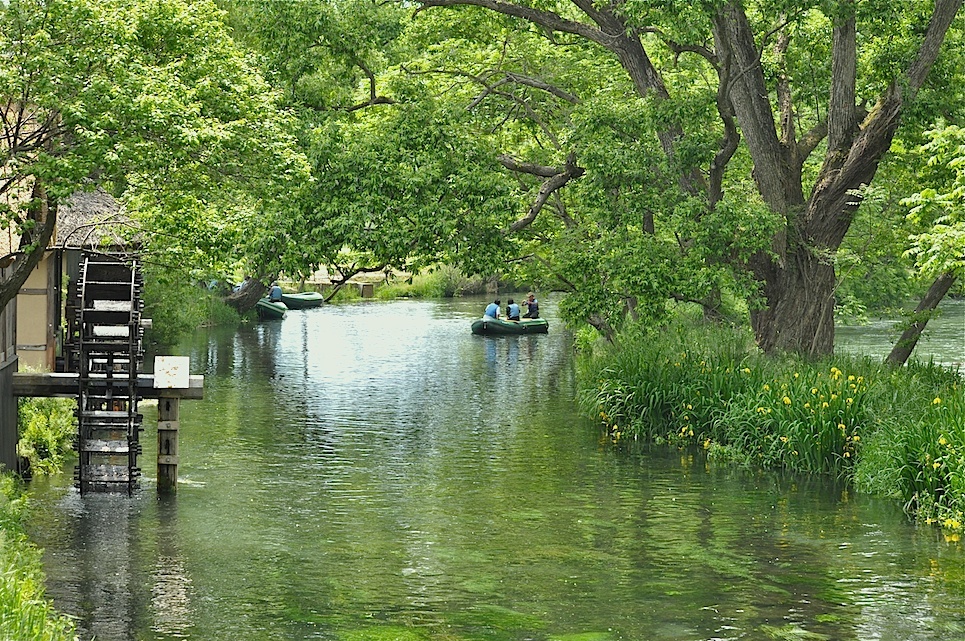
[168, 422]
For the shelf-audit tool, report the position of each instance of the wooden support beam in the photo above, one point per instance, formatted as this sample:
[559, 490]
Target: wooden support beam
[65, 384]
[168, 422]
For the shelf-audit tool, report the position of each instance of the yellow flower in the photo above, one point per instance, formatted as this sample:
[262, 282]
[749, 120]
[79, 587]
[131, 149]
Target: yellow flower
[834, 396]
[814, 390]
[847, 455]
[856, 438]
[936, 465]
[783, 439]
[690, 433]
[746, 370]
[767, 388]
[824, 405]
[689, 406]
[842, 427]
[807, 406]
[706, 444]
[849, 401]
[937, 401]
[786, 400]
[850, 377]
[942, 440]
[796, 375]
[952, 524]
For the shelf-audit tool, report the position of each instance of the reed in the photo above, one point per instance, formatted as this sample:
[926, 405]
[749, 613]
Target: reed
[898, 433]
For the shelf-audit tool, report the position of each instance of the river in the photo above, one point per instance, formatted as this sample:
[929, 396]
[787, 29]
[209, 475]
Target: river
[374, 472]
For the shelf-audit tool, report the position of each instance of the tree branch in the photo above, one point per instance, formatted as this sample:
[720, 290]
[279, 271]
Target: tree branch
[556, 178]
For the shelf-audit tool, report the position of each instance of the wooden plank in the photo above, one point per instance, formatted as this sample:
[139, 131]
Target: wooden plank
[66, 385]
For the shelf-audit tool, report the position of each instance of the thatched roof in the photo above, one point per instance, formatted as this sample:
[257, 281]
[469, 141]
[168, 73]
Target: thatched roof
[90, 219]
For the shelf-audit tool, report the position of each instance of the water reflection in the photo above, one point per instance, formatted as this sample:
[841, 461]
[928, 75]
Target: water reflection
[942, 342]
[374, 471]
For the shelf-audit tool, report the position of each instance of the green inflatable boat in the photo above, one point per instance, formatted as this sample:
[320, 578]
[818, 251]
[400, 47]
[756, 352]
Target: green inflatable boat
[491, 327]
[268, 310]
[302, 300]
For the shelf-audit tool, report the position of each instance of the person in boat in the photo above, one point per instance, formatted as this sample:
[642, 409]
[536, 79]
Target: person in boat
[512, 311]
[274, 294]
[492, 310]
[532, 306]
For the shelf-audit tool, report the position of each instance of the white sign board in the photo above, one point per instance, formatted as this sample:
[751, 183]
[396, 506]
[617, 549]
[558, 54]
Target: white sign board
[172, 372]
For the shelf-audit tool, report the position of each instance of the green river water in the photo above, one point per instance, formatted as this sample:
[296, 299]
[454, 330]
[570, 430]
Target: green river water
[374, 472]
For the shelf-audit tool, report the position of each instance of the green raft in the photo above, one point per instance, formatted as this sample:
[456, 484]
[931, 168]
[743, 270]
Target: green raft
[302, 300]
[268, 310]
[490, 327]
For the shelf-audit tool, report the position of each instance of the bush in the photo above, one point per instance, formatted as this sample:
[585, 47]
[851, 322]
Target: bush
[47, 428]
[177, 306]
[440, 282]
[898, 433]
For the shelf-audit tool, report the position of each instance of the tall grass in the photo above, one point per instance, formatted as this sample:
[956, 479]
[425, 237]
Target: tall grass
[898, 433]
[440, 282]
[25, 613]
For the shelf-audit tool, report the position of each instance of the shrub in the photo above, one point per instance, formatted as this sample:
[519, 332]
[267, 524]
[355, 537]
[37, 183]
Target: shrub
[47, 428]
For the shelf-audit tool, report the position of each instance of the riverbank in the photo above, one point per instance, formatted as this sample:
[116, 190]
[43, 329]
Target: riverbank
[47, 428]
[25, 612]
[896, 433]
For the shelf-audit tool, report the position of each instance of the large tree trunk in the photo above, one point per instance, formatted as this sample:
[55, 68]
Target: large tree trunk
[798, 315]
[909, 338]
[247, 297]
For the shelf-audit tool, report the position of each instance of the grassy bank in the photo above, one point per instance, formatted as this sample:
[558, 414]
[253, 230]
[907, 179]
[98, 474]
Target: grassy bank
[25, 613]
[47, 427]
[895, 433]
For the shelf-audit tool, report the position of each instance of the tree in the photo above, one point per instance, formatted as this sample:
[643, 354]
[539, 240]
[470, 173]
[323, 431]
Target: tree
[155, 102]
[401, 178]
[939, 249]
[764, 58]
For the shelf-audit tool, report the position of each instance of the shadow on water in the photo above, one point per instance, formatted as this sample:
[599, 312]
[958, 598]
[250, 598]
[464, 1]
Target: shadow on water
[374, 471]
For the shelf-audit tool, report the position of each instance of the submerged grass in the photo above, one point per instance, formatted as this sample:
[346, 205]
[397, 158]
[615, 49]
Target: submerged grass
[892, 432]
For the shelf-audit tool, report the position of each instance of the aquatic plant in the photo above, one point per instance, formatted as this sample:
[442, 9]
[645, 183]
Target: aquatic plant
[898, 433]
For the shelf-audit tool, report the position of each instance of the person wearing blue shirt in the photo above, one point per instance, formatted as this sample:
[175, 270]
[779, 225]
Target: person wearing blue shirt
[274, 294]
[492, 310]
[512, 311]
